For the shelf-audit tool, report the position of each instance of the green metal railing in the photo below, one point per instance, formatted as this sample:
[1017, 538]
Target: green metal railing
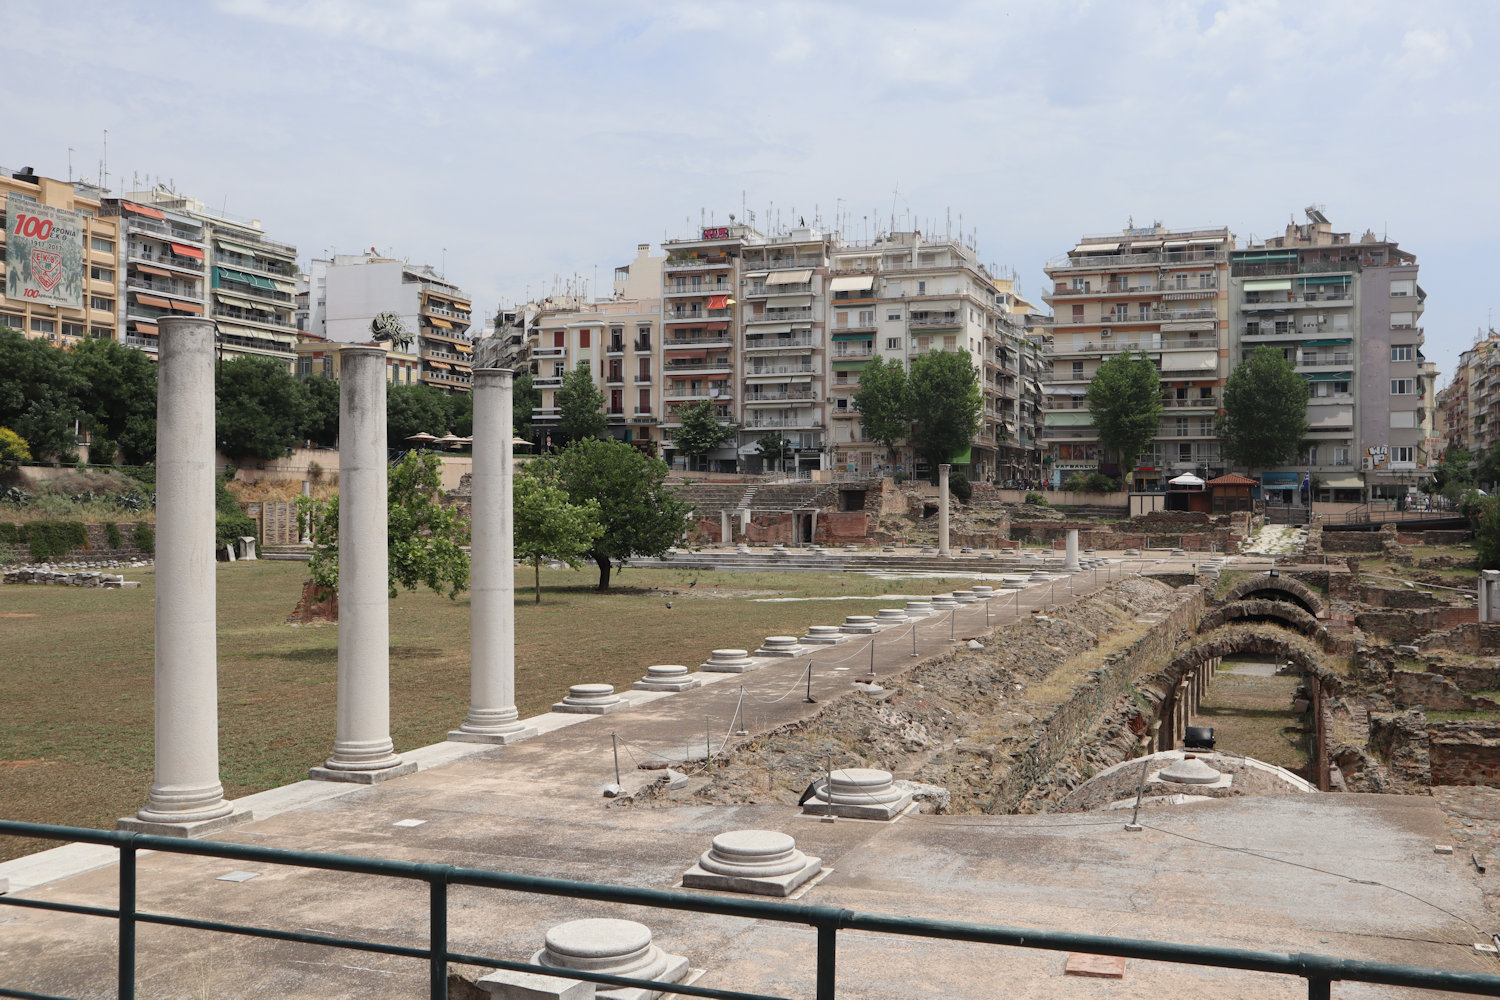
[1320, 971]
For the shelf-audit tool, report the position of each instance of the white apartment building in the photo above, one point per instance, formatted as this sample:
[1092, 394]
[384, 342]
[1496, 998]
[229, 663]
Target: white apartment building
[162, 272]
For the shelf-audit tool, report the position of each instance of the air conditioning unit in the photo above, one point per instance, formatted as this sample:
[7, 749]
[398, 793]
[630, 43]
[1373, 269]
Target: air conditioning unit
[1106, 332]
[1365, 464]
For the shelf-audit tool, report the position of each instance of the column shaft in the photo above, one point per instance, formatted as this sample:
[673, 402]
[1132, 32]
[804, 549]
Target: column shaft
[943, 549]
[1070, 560]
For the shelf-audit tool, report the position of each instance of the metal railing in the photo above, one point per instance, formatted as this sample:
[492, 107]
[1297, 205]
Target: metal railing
[1319, 971]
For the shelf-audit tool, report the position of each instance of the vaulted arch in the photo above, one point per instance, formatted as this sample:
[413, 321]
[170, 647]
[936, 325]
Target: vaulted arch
[1284, 613]
[1278, 588]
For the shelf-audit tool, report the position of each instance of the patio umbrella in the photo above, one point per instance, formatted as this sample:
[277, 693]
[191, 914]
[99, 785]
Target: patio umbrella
[421, 436]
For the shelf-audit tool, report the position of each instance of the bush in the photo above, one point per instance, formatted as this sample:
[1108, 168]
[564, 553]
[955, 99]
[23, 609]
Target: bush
[1091, 482]
[46, 539]
[112, 534]
[145, 539]
[959, 488]
[231, 523]
[7, 556]
[1037, 500]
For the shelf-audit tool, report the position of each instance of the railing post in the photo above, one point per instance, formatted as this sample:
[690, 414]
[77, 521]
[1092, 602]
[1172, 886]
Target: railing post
[438, 936]
[827, 952]
[1319, 989]
[126, 921]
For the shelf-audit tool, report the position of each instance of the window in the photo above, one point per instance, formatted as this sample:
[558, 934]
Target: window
[15, 321]
[1180, 426]
[893, 317]
[39, 325]
[1184, 452]
[1180, 281]
[1403, 418]
[616, 370]
[1312, 455]
[558, 369]
[643, 401]
[1145, 310]
[1406, 286]
[841, 403]
[101, 274]
[583, 338]
[1341, 455]
[1402, 321]
[1341, 388]
[1078, 369]
[1401, 352]
[1080, 285]
[1078, 314]
[102, 245]
[72, 329]
[867, 317]
[1122, 312]
[921, 288]
[1403, 453]
[1206, 426]
[98, 302]
[643, 372]
[102, 333]
[1403, 386]
[950, 343]
[841, 319]
[893, 343]
[558, 339]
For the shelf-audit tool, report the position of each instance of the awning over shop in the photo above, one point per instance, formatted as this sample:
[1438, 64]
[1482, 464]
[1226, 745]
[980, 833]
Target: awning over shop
[183, 250]
[867, 335]
[150, 213]
[153, 302]
[856, 283]
[441, 323]
[789, 277]
[1345, 482]
[1271, 285]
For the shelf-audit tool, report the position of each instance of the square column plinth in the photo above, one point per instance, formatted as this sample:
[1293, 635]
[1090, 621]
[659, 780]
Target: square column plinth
[191, 828]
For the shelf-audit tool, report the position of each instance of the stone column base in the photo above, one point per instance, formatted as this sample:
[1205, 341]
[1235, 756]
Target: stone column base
[323, 773]
[524, 733]
[199, 828]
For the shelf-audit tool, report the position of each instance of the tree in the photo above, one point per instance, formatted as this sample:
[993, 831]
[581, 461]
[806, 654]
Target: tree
[1265, 410]
[320, 423]
[773, 450]
[882, 403]
[1484, 513]
[461, 407]
[117, 394]
[261, 408]
[1488, 470]
[38, 395]
[701, 432]
[424, 539]
[580, 405]
[944, 402]
[639, 515]
[524, 398]
[1125, 403]
[13, 447]
[548, 526]
[415, 409]
[1453, 477]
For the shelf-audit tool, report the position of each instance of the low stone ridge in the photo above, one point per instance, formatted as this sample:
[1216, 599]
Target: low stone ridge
[43, 576]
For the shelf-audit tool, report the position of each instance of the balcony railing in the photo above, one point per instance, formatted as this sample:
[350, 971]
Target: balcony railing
[549, 352]
[136, 223]
[779, 370]
[772, 343]
[768, 397]
[934, 322]
[1209, 402]
[696, 366]
[760, 289]
[714, 289]
[757, 422]
[134, 251]
[723, 338]
[1139, 259]
[707, 392]
[782, 265]
[694, 264]
[695, 316]
[781, 316]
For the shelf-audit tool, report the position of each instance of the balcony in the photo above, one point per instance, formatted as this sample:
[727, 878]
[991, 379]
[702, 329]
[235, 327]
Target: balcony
[546, 382]
[258, 318]
[437, 333]
[1316, 362]
[695, 263]
[135, 252]
[759, 398]
[759, 421]
[781, 316]
[863, 353]
[949, 321]
[722, 339]
[642, 345]
[549, 352]
[1206, 403]
[696, 316]
[138, 224]
[178, 290]
[147, 344]
[783, 264]
[545, 413]
[447, 378]
[724, 365]
[448, 356]
[240, 262]
[614, 378]
[778, 343]
[760, 289]
[642, 378]
[773, 371]
[689, 290]
[642, 416]
[1154, 258]
[615, 347]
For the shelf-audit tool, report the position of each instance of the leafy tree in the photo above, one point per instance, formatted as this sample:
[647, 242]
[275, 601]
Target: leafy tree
[580, 405]
[320, 424]
[944, 402]
[548, 526]
[117, 394]
[1125, 403]
[13, 447]
[38, 395]
[231, 523]
[1265, 410]
[261, 408]
[959, 487]
[1488, 469]
[1485, 513]
[1453, 477]
[701, 432]
[525, 397]
[461, 406]
[773, 450]
[639, 515]
[415, 409]
[881, 402]
[424, 539]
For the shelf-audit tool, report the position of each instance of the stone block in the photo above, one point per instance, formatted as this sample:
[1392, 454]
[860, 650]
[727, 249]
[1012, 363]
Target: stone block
[372, 777]
[597, 945]
[780, 646]
[824, 635]
[859, 625]
[1096, 966]
[666, 677]
[728, 661]
[591, 699]
[201, 828]
[763, 862]
[506, 985]
[858, 793]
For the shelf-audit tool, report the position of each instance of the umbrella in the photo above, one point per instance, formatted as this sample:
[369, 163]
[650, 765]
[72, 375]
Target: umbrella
[519, 441]
[1186, 479]
[421, 436]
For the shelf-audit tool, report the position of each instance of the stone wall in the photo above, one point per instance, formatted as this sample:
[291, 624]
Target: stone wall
[1408, 626]
[1397, 597]
[840, 527]
[1435, 691]
[1464, 753]
[1351, 541]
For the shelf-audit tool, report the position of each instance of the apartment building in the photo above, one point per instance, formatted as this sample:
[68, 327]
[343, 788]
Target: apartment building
[346, 293]
[162, 270]
[69, 289]
[1470, 405]
[1348, 314]
[1149, 289]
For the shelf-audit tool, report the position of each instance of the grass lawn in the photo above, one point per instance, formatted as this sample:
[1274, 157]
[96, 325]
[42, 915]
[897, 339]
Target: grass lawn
[76, 748]
[1250, 715]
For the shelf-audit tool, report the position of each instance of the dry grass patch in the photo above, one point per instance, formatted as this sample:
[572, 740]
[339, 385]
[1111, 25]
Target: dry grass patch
[1253, 716]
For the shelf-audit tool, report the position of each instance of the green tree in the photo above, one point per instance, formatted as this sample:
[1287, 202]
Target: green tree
[415, 409]
[701, 431]
[1488, 470]
[549, 526]
[882, 403]
[774, 450]
[944, 402]
[1125, 403]
[640, 516]
[117, 394]
[320, 423]
[1453, 477]
[461, 406]
[261, 408]
[38, 395]
[580, 405]
[1265, 410]
[525, 397]
[424, 539]
[13, 447]
[1485, 514]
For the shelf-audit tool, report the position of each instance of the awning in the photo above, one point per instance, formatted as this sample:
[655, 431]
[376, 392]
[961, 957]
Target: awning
[1200, 361]
[772, 328]
[867, 335]
[1326, 279]
[755, 274]
[1343, 482]
[463, 349]
[857, 283]
[718, 302]
[148, 269]
[1331, 416]
[253, 280]
[1175, 243]
[235, 300]
[1068, 418]
[188, 307]
[439, 364]
[1325, 343]
[153, 302]
[1096, 248]
[847, 366]
[1068, 390]
[442, 323]
[1280, 479]
[140, 327]
[1329, 376]
[150, 213]
[283, 285]
[1265, 256]
[183, 250]
[238, 248]
[1274, 285]
[787, 301]
[1144, 245]
[1201, 241]
[789, 277]
[1186, 479]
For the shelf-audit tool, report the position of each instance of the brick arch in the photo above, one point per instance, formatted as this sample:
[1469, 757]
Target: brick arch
[1231, 639]
[1278, 588]
[1284, 613]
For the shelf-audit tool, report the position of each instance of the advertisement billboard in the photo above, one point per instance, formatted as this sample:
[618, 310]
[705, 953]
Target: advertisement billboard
[43, 253]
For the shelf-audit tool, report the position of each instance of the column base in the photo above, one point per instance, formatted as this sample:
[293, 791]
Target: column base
[371, 777]
[522, 733]
[192, 828]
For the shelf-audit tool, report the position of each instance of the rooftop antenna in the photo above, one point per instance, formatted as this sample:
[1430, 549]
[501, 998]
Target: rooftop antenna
[443, 267]
[104, 160]
[70, 164]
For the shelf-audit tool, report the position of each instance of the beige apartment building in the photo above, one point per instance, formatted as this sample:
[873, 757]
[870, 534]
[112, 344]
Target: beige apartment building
[162, 272]
[1470, 405]
[1159, 291]
[96, 313]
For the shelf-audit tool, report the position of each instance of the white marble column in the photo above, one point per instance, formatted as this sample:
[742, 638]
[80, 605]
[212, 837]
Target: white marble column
[492, 582]
[186, 797]
[1070, 557]
[943, 549]
[362, 748]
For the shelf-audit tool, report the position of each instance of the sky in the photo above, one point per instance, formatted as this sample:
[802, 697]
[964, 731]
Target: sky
[520, 145]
